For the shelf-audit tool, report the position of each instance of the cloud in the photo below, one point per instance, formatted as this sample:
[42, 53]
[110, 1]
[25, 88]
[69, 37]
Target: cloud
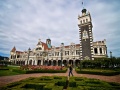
[22, 23]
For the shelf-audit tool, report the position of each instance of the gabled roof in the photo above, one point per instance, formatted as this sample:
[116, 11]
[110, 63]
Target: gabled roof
[14, 49]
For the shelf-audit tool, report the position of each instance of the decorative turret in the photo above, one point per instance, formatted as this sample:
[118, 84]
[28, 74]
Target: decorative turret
[14, 49]
[39, 42]
[84, 11]
[48, 42]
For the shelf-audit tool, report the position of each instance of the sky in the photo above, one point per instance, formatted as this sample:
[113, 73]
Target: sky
[24, 22]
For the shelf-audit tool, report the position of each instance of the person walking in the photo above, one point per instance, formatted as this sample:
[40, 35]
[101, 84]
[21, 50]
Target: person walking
[70, 70]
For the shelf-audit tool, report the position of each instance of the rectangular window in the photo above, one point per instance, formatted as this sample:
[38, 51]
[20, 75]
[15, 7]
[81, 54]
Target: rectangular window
[77, 52]
[66, 52]
[56, 53]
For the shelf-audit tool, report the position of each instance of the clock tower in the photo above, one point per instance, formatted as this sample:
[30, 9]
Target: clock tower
[86, 36]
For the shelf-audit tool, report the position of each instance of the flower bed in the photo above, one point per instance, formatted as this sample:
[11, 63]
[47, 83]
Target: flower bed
[37, 67]
[43, 69]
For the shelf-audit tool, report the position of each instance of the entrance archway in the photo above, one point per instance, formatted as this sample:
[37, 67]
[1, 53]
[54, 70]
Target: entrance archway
[65, 62]
[46, 62]
[54, 62]
[30, 62]
[77, 62]
[50, 62]
[59, 62]
[71, 62]
[39, 62]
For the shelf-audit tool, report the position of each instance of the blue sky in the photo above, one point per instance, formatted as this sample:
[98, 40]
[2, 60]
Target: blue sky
[23, 22]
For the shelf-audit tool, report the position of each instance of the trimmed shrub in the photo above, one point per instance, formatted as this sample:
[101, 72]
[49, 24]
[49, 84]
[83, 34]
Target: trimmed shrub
[98, 72]
[61, 83]
[49, 86]
[72, 82]
[46, 71]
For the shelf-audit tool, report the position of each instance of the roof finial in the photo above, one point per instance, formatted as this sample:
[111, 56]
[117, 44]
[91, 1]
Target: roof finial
[83, 3]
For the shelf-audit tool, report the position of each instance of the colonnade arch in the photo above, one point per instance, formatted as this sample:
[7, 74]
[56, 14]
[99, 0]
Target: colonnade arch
[47, 62]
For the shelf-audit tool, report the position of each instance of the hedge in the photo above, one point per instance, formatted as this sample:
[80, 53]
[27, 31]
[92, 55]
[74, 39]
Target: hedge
[75, 83]
[46, 71]
[109, 73]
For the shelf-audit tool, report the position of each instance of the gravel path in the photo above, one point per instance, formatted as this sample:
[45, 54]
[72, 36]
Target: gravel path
[9, 79]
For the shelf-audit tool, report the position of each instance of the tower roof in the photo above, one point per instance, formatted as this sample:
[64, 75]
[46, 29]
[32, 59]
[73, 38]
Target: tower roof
[14, 49]
[84, 10]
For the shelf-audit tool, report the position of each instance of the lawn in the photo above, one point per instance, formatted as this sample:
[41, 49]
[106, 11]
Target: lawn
[60, 83]
[9, 70]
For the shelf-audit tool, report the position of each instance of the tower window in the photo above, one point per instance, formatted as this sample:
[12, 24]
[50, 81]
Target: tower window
[95, 50]
[83, 21]
[86, 20]
[77, 52]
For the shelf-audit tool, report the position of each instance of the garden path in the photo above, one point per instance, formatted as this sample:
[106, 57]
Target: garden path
[9, 79]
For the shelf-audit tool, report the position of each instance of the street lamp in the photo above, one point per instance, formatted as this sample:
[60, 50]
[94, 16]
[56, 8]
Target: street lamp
[110, 54]
[111, 57]
[62, 44]
[28, 55]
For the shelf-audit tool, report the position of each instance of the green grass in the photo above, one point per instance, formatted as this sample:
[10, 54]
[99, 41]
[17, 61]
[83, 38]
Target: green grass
[10, 71]
[58, 83]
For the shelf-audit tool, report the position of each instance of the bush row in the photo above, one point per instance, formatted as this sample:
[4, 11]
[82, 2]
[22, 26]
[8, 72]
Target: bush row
[38, 71]
[46, 71]
[109, 73]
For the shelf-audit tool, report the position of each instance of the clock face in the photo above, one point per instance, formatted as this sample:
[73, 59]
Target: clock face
[84, 35]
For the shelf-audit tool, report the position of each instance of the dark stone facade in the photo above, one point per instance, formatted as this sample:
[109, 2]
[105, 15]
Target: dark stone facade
[86, 45]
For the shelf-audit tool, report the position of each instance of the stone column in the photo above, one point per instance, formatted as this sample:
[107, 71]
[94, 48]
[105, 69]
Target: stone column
[98, 50]
[74, 62]
[103, 51]
[25, 62]
[56, 62]
[41, 62]
[35, 62]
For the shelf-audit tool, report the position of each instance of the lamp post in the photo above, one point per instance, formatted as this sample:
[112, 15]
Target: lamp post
[111, 57]
[28, 55]
[110, 54]
[62, 44]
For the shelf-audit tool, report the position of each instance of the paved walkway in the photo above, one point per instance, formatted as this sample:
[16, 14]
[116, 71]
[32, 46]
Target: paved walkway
[9, 79]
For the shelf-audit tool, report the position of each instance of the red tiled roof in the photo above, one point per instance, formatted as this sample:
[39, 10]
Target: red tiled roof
[19, 52]
[77, 44]
[14, 49]
[45, 46]
[68, 46]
